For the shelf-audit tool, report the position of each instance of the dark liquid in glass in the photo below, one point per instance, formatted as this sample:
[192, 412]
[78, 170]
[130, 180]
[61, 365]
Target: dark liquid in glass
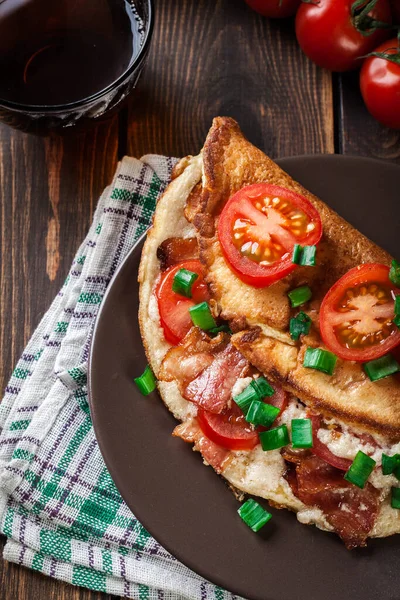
[54, 52]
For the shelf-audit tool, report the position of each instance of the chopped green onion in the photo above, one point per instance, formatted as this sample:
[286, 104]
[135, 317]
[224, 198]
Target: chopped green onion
[258, 389]
[302, 433]
[274, 438]
[245, 398]
[262, 388]
[299, 325]
[304, 255]
[396, 319]
[360, 469]
[260, 413]
[396, 471]
[183, 282]
[397, 305]
[201, 316]
[381, 367]
[224, 327]
[389, 463]
[309, 256]
[394, 273]
[321, 360]
[297, 254]
[146, 383]
[254, 515]
[395, 497]
[300, 295]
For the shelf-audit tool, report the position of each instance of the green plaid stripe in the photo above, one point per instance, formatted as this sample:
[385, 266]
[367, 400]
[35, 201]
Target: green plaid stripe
[78, 375]
[21, 373]
[65, 517]
[61, 327]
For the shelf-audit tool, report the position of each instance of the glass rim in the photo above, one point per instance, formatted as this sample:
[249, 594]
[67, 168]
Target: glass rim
[49, 108]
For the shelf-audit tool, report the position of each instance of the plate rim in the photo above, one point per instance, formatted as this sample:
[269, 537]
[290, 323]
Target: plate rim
[98, 430]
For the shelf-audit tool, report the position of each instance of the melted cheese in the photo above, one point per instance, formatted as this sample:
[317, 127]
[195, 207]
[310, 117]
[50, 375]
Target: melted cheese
[346, 445]
[256, 472]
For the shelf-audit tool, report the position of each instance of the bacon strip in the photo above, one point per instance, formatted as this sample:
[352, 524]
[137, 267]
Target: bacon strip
[192, 355]
[212, 388]
[205, 368]
[175, 250]
[350, 510]
[213, 454]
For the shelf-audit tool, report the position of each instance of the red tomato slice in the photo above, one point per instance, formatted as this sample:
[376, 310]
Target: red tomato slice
[258, 228]
[231, 430]
[280, 399]
[228, 429]
[322, 451]
[174, 308]
[356, 315]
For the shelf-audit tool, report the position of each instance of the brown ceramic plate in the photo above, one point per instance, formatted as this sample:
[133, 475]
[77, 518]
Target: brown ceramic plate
[185, 505]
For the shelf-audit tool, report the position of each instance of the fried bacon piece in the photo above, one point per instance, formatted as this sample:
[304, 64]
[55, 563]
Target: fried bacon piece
[191, 356]
[175, 250]
[212, 388]
[214, 455]
[350, 510]
[205, 368]
[193, 203]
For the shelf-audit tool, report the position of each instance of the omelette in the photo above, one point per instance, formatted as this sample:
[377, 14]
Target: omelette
[271, 325]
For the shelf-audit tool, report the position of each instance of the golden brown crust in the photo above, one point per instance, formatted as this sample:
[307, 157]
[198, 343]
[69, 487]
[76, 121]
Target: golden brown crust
[180, 167]
[231, 162]
[193, 203]
[268, 484]
[347, 395]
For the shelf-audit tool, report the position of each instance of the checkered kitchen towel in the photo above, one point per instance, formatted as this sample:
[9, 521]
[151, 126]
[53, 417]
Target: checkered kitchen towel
[59, 507]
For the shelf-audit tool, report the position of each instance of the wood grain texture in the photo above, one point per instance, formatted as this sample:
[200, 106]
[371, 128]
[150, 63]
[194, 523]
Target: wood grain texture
[221, 58]
[359, 133]
[48, 191]
[18, 583]
[208, 57]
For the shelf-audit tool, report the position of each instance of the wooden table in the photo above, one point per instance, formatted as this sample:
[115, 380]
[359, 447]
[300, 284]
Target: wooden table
[208, 58]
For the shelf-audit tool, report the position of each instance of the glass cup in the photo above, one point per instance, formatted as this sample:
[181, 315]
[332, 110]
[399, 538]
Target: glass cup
[69, 62]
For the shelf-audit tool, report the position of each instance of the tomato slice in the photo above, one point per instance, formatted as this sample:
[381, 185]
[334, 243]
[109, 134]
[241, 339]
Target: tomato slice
[230, 429]
[280, 399]
[322, 451]
[174, 308]
[258, 228]
[356, 315]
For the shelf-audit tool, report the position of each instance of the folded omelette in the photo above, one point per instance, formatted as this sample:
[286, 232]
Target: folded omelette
[270, 325]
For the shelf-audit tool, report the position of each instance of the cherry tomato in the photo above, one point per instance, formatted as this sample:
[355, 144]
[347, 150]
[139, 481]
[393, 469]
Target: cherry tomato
[230, 429]
[356, 315]
[327, 33]
[258, 228]
[275, 9]
[322, 451]
[174, 308]
[280, 399]
[380, 85]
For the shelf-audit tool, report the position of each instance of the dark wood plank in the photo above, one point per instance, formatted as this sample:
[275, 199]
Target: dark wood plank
[48, 191]
[358, 132]
[18, 583]
[207, 58]
[221, 58]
